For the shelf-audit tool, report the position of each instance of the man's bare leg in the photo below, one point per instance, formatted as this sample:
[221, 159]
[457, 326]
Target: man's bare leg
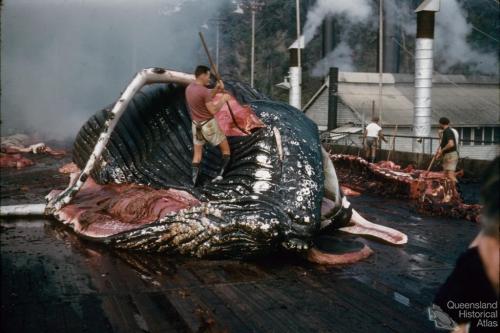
[226, 157]
[373, 152]
[198, 151]
[453, 182]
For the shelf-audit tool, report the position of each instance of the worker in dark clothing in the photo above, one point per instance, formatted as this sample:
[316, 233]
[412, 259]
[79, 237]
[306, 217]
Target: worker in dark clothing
[448, 150]
[204, 125]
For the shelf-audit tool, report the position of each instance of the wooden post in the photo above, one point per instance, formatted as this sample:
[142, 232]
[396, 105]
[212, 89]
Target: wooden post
[393, 142]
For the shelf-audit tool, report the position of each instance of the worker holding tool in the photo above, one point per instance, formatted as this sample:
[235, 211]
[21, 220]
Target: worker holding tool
[448, 149]
[204, 125]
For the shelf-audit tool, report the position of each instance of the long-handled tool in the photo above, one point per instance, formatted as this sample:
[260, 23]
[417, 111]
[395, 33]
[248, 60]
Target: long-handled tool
[393, 145]
[217, 76]
[430, 164]
[422, 198]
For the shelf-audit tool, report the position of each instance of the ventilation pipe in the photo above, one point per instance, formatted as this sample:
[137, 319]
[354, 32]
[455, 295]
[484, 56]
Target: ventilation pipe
[333, 80]
[423, 72]
[328, 37]
[391, 39]
[295, 74]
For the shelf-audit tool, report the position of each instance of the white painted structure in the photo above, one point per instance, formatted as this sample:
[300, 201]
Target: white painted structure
[424, 67]
[472, 105]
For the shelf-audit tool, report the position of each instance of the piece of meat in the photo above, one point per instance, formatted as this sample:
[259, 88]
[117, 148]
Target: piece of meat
[349, 192]
[69, 168]
[244, 116]
[388, 165]
[431, 192]
[20, 143]
[14, 161]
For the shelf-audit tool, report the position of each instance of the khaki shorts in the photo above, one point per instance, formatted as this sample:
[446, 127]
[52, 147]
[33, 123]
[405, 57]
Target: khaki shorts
[210, 131]
[371, 142]
[450, 161]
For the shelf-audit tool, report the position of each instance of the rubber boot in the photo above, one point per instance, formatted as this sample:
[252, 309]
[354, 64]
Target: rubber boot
[225, 163]
[195, 172]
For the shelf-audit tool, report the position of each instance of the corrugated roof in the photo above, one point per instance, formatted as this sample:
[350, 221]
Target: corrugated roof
[464, 104]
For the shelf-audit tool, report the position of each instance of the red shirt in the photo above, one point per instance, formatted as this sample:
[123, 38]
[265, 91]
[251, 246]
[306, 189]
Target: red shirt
[197, 96]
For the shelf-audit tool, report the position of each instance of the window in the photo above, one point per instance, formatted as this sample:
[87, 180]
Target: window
[466, 132]
[478, 136]
[497, 135]
[488, 135]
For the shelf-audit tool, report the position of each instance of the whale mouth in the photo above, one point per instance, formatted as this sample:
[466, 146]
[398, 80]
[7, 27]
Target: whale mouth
[100, 211]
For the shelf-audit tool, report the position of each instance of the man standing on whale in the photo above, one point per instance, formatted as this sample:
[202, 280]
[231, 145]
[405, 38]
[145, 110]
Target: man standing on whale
[204, 125]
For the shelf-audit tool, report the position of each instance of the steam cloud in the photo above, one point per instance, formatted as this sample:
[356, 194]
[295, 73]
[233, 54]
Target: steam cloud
[340, 57]
[451, 44]
[354, 10]
[64, 60]
[452, 30]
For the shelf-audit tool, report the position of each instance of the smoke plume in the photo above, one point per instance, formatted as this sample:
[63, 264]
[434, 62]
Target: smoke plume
[354, 10]
[340, 57]
[452, 48]
[450, 41]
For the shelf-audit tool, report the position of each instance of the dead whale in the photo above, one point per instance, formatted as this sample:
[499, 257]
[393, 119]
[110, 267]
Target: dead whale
[135, 192]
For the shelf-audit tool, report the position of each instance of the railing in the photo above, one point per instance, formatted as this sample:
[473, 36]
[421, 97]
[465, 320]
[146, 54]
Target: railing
[405, 143]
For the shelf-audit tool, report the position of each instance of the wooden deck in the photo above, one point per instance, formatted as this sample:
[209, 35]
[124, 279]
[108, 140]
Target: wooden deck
[54, 282]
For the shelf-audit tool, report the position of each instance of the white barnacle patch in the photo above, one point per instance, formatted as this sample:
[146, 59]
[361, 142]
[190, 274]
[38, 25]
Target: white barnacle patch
[262, 174]
[309, 170]
[261, 186]
[117, 175]
[262, 159]
[264, 227]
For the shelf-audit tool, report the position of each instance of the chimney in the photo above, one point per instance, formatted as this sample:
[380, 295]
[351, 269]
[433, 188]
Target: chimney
[423, 71]
[295, 74]
[333, 80]
[391, 39]
[328, 40]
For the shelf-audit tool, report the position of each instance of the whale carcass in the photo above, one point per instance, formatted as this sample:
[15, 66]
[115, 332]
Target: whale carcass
[134, 191]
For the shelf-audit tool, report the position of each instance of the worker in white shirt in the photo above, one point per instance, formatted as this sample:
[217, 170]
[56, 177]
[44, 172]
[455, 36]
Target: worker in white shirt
[373, 133]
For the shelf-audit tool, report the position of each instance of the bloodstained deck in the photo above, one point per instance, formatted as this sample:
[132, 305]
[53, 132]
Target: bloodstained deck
[54, 282]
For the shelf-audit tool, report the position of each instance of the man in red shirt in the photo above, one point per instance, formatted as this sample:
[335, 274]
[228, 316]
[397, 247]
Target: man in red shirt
[205, 127]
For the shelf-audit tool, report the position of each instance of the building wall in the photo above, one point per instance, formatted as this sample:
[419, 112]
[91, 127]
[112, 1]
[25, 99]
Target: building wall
[318, 112]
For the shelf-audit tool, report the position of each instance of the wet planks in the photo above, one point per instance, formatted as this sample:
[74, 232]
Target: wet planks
[54, 282]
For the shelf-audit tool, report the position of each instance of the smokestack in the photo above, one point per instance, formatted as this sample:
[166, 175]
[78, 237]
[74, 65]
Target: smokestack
[328, 39]
[423, 71]
[295, 74]
[391, 38]
[333, 80]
